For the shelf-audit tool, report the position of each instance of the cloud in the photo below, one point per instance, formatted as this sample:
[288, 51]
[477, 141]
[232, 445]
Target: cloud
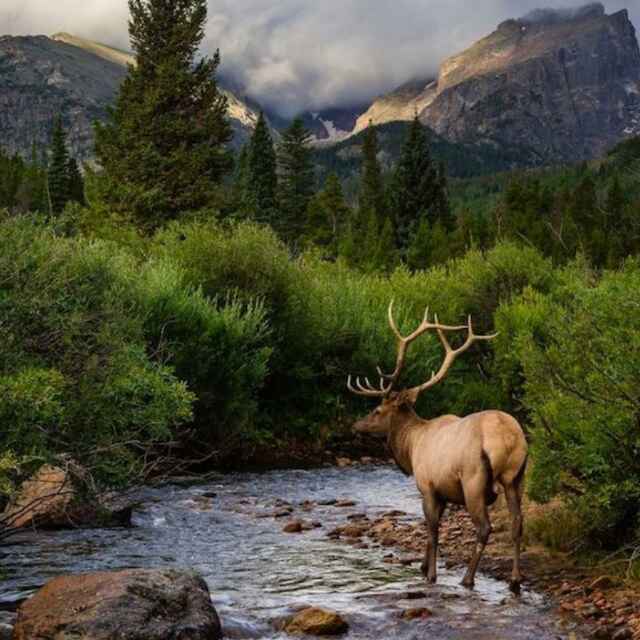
[294, 55]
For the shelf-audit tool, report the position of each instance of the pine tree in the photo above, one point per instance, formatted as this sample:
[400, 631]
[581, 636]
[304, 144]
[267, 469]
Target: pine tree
[327, 216]
[415, 184]
[296, 173]
[76, 182]
[240, 188]
[372, 196]
[263, 179]
[442, 208]
[163, 148]
[58, 173]
[419, 251]
[386, 253]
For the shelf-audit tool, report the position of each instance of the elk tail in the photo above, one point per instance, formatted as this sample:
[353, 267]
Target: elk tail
[490, 494]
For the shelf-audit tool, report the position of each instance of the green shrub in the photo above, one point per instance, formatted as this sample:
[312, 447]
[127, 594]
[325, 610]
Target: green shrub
[579, 352]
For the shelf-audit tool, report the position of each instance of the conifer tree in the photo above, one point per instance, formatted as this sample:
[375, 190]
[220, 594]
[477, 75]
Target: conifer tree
[240, 189]
[296, 178]
[327, 216]
[372, 196]
[262, 176]
[164, 147]
[415, 184]
[76, 182]
[386, 252]
[419, 251]
[58, 173]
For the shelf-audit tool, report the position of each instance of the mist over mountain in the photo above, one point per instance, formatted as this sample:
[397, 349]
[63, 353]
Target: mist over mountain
[294, 55]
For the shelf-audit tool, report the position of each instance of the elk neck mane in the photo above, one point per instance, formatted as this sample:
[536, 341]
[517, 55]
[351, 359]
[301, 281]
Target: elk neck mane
[399, 439]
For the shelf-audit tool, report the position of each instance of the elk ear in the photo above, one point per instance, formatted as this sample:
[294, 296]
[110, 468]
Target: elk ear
[408, 398]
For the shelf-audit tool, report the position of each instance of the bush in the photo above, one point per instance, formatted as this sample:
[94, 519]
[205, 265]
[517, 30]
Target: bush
[106, 355]
[579, 349]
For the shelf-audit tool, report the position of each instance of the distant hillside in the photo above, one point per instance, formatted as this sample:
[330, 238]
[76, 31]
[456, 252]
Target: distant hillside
[75, 78]
[462, 160]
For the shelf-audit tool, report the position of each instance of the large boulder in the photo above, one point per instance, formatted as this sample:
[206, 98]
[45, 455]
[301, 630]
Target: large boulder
[135, 604]
[54, 499]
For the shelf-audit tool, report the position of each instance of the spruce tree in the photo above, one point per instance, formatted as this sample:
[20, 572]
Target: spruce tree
[58, 172]
[297, 179]
[76, 182]
[372, 196]
[164, 147]
[415, 184]
[419, 251]
[386, 255]
[240, 188]
[262, 176]
[327, 217]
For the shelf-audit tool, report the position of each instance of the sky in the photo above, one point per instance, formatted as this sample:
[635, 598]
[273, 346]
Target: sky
[298, 55]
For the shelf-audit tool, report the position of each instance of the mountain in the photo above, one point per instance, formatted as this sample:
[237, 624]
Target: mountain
[399, 105]
[41, 77]
[560, 85]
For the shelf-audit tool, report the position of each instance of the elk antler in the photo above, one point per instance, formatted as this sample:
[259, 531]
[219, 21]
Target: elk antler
[403, 344]
[450, 355]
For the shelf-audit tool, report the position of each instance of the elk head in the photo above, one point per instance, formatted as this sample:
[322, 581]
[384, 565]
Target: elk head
[397, 406]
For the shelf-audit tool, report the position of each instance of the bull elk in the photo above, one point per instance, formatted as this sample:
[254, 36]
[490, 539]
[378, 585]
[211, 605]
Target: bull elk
[454, 460]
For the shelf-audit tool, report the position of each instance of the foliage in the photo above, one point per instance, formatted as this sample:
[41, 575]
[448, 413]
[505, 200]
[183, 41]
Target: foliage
[98, 355]
[23, 184]
[417, 188]
[579, 354]
[296, 180]
[262, 181]
[163, 148]
[327, 218]
[58, 171]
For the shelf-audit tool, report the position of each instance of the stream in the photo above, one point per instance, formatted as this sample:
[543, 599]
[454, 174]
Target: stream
[258, 574]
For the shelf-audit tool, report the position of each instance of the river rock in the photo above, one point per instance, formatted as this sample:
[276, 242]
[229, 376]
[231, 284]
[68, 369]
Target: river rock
[296, 526]
[51, 499]
[317, 622]
[418, 613]
[135, 604]
[6, 631]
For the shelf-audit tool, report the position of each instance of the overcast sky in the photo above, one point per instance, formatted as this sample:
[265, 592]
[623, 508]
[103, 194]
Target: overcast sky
[294, 55]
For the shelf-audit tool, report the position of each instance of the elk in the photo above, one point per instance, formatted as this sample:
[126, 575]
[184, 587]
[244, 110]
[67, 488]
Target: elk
[453, 459]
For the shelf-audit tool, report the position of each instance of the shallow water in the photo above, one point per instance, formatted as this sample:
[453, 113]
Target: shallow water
[258, 574]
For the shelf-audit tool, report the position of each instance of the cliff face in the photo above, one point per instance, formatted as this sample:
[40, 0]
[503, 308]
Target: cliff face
[77, 79]
[399, 105]
[562, 89]
[41, 79]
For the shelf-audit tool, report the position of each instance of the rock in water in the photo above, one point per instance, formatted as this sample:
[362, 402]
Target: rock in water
[135, 604]
[42, 500]
[51, 500]
[317, 622]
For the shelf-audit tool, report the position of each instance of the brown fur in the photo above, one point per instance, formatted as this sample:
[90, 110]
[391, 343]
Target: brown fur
[456, 460]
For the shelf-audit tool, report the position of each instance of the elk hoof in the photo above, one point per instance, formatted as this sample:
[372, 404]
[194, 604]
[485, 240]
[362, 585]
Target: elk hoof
[424, 567]
[432, 579]
[514, 586]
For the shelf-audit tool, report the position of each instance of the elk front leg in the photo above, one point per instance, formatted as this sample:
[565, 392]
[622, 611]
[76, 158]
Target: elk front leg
[477, 508]
[513, 495]
[433, 507]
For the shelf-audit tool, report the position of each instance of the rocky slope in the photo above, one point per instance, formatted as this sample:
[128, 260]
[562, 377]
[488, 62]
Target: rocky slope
[563, 86]
[41, 77]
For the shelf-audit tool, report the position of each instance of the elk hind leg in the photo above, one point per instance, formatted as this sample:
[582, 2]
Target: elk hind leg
[433, 508]
[513, 494]
[475, 499]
